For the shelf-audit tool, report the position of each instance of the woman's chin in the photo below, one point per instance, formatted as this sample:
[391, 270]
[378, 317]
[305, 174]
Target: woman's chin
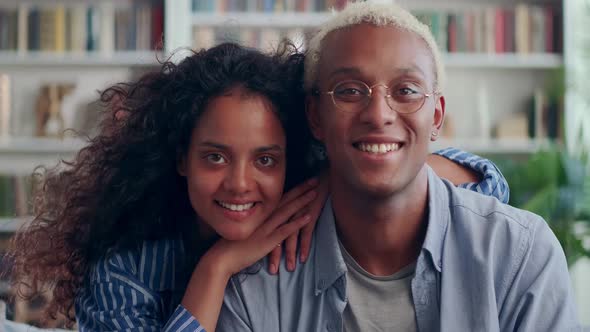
[236, 235]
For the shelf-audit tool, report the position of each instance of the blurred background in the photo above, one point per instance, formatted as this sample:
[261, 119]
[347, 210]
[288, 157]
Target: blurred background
[517, 89]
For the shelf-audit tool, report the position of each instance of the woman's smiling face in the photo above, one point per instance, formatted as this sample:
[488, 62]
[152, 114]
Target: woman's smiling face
[235, 164]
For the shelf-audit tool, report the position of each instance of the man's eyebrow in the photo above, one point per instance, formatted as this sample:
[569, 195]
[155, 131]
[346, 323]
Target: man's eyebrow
[409, 70]
[344, 70]
[356, 71]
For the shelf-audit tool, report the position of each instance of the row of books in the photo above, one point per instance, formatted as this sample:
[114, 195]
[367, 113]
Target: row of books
[81, 27]
[543, 119]
[266, 39]
[15, 195]
[520, 29]
[266, 5]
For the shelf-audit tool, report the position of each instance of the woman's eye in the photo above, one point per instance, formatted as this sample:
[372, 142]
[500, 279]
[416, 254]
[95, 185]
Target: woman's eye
[266, 161]
[215, 158]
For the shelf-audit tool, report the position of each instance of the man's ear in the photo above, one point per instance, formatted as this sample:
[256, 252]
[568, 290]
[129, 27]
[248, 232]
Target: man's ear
[438, 117]
[313, 116]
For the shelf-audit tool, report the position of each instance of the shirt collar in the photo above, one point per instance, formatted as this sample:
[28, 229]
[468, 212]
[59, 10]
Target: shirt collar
[439, 216]
[329, 263]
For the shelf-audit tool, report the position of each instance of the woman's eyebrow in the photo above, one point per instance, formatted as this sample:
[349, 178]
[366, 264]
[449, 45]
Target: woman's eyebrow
[269, 148]
[214, 145]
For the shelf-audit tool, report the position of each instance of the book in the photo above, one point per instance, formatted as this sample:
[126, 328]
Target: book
[5, 105]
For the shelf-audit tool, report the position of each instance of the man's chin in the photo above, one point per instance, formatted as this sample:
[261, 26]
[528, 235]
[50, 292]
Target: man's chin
[377, 189]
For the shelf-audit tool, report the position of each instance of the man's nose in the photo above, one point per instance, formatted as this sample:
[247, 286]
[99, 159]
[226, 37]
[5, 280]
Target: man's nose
[378, 113]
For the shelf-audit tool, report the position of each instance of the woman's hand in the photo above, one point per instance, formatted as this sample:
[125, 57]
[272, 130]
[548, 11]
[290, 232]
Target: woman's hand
[204, 293]
[286, 220]
[304, 235]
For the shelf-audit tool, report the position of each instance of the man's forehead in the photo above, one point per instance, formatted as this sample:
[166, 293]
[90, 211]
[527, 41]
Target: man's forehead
[364, 48]
[354, 70]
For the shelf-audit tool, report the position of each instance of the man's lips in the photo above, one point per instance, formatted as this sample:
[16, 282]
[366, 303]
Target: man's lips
[377, 148]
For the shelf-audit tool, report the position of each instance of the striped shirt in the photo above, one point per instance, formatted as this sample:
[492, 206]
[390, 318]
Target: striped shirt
[141, 289]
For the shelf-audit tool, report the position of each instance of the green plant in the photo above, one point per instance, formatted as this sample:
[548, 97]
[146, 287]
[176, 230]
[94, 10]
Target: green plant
[555, 186]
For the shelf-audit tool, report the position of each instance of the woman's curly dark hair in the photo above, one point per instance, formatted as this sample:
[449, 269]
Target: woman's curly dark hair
[123, 187]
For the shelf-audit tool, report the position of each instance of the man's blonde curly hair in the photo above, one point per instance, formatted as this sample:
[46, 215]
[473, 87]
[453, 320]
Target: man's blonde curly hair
[377, 13]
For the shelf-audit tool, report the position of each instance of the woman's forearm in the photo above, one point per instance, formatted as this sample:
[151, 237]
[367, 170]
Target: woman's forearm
[204, 294]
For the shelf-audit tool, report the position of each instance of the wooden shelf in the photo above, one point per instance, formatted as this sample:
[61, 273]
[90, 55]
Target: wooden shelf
[493, 146]
[114, 59]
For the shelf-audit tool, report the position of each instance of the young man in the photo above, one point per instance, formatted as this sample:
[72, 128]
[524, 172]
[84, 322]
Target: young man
[397, 248]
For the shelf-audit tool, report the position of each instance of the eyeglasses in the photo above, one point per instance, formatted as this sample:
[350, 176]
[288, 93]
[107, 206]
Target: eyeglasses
[353, 96]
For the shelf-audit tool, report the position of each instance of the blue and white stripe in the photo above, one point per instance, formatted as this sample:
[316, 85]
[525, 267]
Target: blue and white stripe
[493, 182]
[137, 291]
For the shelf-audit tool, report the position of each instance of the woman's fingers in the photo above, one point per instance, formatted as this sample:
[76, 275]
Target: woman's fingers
[278, 236]
[274, 260]
[305, 239]
[284, 213]
[291, 251]
[298, 191]
[285, 230]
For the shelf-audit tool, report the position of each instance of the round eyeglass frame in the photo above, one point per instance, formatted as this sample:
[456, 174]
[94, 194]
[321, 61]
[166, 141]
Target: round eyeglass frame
[388, 98]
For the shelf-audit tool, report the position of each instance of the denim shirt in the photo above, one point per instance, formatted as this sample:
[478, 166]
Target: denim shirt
[484, 266]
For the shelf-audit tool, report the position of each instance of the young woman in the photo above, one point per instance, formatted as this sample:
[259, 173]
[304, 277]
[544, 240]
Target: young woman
[143, 230]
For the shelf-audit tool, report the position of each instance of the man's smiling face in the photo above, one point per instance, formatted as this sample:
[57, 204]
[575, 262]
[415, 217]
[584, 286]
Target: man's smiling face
[376, 150]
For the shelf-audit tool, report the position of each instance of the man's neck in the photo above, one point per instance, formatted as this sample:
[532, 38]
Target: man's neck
[383, 234]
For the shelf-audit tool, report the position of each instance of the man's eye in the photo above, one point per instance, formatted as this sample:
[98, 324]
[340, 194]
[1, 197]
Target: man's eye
[215, 158]
[266, 161]
[349, 92]
[406, 91]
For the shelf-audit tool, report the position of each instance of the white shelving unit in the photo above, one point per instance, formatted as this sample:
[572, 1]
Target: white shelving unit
[266, 20]
[493, 146]
[96, 59]
[11, 225]
[499, 61]
[20, 155]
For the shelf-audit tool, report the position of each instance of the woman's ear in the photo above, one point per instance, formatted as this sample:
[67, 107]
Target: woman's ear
[181, 165]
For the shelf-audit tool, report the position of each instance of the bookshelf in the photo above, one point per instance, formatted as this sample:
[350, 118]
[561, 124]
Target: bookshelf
[485, 44]
[86, 44]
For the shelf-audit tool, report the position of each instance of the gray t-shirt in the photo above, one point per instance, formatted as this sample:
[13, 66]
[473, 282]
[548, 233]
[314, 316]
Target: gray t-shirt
[378, 303]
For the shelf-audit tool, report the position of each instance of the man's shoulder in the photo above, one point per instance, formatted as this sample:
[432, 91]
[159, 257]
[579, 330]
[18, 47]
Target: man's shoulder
[490, 228]
[471, 207]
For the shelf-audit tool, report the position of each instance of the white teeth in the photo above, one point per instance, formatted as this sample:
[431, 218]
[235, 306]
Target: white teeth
[236, 207]
[378, 148]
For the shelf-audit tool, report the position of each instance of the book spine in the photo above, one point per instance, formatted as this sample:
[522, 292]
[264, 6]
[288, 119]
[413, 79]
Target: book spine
[23, 28]
[60, 28]
[107, 28]
[5, 105]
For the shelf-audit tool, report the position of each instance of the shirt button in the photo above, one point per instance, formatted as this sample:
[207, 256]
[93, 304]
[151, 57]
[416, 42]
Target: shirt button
[330, 327]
